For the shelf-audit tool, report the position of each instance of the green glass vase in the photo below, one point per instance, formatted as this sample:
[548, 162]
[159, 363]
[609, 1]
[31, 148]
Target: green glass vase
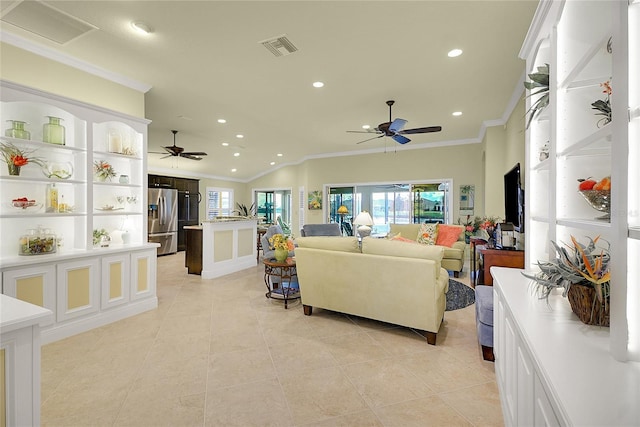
[17, 130]
[53, 132]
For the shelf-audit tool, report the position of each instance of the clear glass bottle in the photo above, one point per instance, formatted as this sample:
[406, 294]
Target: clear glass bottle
[53, 132]
[17, 130]
[51, 202]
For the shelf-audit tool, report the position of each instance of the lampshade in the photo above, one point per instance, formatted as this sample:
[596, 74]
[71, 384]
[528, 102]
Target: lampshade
[364, 221]
[363, 218]
[343, 210]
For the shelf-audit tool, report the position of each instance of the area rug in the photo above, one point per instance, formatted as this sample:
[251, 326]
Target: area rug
[459, 295]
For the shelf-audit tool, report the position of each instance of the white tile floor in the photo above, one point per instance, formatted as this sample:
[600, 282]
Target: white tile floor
[218, 353]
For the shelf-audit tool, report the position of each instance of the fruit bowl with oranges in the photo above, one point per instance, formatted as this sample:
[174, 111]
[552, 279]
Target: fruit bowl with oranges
[598, 194]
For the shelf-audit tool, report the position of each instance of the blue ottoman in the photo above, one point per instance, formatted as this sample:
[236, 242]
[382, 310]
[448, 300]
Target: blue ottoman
[484, 320]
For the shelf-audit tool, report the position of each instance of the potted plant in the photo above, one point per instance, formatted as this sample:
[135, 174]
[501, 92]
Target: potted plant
[582, 272]
[282, 245]
[540, 83]
[103, 170]
[16, 157]
[245, 211]
[603, 106]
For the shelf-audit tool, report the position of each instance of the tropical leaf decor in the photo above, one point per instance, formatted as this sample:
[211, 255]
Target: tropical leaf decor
[539, 85]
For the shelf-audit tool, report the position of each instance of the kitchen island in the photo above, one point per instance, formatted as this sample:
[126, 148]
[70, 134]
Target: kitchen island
[228, 245]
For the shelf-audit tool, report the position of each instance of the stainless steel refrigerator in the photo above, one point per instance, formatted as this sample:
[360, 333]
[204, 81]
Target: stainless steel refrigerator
[163, 219]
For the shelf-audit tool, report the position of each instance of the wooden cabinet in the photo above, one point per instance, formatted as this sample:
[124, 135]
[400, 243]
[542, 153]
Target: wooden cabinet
[193, 252]
[490, 257]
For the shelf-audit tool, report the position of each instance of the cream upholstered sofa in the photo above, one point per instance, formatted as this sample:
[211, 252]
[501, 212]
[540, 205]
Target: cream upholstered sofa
[453, 259]
[389, 281]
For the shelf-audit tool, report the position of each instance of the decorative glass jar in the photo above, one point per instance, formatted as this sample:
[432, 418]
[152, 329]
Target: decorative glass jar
[17, 130]
[53, 132]
[37, 242]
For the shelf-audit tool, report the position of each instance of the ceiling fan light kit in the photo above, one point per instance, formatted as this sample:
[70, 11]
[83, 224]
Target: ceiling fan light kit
[394, 129]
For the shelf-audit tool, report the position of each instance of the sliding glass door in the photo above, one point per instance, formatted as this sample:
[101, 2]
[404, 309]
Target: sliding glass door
[427, 202]
[271, 204]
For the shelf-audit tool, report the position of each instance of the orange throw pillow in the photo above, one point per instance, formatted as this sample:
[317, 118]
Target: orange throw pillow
[448, 234]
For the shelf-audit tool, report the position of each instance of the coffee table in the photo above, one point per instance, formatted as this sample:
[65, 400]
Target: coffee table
[285, 276]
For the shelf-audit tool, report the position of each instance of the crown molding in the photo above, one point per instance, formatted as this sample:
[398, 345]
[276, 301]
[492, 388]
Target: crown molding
[63, 58]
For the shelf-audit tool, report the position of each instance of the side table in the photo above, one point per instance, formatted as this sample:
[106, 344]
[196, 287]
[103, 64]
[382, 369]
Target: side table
[474, 241]
[279, 277]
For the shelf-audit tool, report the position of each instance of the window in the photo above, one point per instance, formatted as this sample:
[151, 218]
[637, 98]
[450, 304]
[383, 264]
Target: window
[219, 202]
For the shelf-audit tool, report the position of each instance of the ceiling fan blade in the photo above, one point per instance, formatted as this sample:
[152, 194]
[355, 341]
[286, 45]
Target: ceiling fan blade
[190, 156]
[400, 139]
[364, 131]
[168, 155]
[375, 137]
[156, 152]
[194, 153]
[422, 130]
[397, 125]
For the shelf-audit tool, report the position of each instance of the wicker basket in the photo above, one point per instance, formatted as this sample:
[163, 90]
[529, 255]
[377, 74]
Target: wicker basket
[586, 306]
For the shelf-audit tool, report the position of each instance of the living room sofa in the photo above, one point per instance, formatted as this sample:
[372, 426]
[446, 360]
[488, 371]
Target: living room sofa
[386, 280]
[453, 259]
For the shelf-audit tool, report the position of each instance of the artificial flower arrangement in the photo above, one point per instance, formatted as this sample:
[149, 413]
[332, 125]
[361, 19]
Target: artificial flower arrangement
[604, 106]
[582, 268]
[16, 157]
[280, 241]
[103, 170]
[473, 226]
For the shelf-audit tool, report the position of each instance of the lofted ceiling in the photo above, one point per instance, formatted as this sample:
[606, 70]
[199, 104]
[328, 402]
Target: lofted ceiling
[203, 61]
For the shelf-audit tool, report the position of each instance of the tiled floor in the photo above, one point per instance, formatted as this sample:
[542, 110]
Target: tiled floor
[218, 353]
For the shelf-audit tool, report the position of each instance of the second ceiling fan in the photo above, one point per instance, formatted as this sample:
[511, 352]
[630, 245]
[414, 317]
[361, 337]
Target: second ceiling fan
[175, 151]
[394, 129]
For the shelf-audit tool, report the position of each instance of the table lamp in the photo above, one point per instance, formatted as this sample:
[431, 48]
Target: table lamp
[364, 221]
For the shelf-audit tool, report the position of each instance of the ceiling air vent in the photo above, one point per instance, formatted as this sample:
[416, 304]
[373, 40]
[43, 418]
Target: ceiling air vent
[46, 21]
[279, 46]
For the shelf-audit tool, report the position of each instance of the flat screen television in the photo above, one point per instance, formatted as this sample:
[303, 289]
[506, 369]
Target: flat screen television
[514, 199]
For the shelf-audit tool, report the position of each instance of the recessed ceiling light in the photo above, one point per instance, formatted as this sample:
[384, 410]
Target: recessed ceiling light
[279, 154]
[225, 144]
[239, 136]
[454, 52]
[366, 127]
[456, 113]
[236, 154]
[234, 169]
[141, 27]
[222, 121]
[272, 163]
[318, 84]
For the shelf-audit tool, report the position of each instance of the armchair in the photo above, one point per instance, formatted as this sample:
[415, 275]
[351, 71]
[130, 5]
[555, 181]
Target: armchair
[284, 228]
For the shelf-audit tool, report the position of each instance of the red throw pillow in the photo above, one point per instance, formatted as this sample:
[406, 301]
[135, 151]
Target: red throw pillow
[448, 234]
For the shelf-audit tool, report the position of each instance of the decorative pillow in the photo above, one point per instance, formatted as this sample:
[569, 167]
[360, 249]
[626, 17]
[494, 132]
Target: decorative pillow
[399, 238]
[448, 234]
[427, 234]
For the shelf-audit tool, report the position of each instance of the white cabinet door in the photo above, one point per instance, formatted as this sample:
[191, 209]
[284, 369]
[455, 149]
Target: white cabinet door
[115, 280]
[78, 288]
[34, 284]
[143, 274]
[543, 411]
[526, 385]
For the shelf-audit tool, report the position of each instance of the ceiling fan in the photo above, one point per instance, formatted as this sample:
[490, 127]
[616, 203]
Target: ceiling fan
[175, 151]
[393, 129]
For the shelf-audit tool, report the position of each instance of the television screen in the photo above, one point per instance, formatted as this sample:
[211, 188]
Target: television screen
[514, 199]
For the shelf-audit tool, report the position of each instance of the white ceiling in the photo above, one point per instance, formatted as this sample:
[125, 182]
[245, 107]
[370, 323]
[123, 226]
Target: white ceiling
[203, 62]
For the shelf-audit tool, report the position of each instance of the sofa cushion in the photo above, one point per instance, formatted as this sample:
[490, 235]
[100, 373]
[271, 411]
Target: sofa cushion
[330, 243]
[427, 234]
[448, 234]
[387, 247]
[454, 253]
[410, 231]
